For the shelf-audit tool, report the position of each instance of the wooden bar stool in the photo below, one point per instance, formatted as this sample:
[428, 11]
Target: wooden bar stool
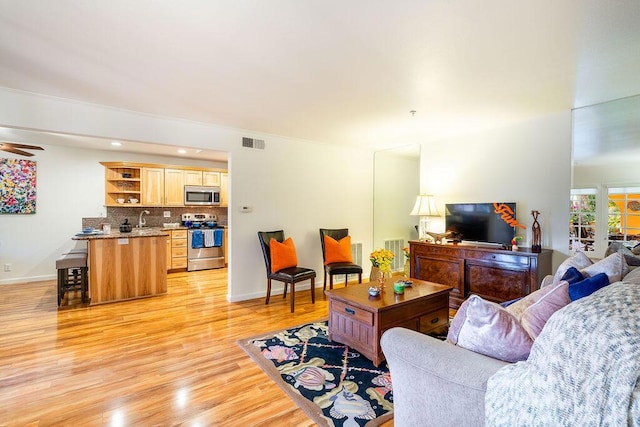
[73, 275]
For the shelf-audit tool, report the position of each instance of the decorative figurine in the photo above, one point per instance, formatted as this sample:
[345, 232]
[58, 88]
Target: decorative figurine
[437, 237]
[536, 245]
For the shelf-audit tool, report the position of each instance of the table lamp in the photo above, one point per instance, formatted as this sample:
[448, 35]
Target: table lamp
[425, 208]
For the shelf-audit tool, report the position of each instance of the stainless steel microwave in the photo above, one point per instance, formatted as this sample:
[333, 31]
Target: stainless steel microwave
[195, 195]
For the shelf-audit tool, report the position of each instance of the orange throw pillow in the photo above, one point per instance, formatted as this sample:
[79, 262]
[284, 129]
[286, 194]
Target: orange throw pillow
[283, 255]
[337, 250]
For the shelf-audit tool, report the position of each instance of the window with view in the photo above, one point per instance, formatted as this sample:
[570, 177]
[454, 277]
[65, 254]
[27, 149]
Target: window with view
[623, 217]
[582, 220]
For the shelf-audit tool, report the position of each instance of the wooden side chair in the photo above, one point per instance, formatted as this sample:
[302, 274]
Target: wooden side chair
[344, 264]
[290, 274]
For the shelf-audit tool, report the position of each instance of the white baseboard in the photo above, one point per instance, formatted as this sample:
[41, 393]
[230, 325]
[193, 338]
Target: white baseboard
[274, 291]
[28, 279]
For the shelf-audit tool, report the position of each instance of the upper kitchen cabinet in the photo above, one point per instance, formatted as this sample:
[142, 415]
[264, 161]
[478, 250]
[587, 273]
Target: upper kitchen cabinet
[193, 177]
[122, 183]
[135, 184]
[153, 186]
[174, 187]
[224, 189]
[162, 187]
[211, 179]
[198, 177]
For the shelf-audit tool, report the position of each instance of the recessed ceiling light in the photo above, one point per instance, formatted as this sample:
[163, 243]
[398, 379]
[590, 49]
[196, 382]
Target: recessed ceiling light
[181, 151]
[116, 143]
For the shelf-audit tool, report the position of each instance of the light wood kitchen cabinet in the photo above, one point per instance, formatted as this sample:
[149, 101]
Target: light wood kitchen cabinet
[193, 177]
[173, 187]
[153, 186]
[178, 249]
[147, 184]
[122, 182]
[225, 247]
[224, 189]
[168, 257]
[211, 179]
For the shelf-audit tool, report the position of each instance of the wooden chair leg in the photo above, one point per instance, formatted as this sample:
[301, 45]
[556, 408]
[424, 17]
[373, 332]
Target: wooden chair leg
[331, 281]
[346, 280]
[324, 284]
[359, 277]
[293, 295]
[284, 294]
[85, 284]
[268, 291]
[61, 278]
[313, 290]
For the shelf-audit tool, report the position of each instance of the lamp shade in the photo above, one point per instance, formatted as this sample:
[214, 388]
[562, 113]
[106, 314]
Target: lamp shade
[425, 206]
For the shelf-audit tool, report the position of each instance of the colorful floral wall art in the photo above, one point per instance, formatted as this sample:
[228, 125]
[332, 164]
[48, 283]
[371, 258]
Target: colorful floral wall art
[17, 186]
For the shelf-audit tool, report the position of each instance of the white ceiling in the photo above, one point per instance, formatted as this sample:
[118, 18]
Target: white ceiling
[336, 72]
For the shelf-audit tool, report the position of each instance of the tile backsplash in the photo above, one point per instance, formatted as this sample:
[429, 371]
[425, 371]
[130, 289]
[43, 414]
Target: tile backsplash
[116, 215]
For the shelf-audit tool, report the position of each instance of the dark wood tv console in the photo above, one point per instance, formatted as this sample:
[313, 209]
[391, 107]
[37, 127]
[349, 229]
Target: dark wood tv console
[494, 274]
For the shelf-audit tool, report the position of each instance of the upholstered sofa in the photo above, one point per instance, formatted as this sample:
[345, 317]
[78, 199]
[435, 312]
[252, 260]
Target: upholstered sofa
[583, 369]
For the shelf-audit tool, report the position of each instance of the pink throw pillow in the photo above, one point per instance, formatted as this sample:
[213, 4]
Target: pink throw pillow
[535, 309]
[487, 328]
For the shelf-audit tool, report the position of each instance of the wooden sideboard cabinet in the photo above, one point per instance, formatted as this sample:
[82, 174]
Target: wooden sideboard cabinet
[494, 274]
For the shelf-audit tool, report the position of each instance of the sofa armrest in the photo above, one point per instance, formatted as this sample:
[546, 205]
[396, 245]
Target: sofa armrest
[436, 383]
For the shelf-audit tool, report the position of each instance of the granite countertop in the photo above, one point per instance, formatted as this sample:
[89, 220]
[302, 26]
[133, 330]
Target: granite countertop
[182, 227]
[116, 234]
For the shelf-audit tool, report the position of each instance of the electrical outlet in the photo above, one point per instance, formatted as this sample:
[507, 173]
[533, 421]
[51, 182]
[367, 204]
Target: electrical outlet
[7, 267]
[167, 214]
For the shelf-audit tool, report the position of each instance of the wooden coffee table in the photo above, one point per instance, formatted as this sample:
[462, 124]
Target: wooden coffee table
[358, 320]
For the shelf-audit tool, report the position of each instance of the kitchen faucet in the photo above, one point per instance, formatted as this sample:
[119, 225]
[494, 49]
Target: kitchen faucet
[142, 222]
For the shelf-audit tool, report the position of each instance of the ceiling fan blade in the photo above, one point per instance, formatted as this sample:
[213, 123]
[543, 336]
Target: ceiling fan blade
[15, 150]
[28, 147]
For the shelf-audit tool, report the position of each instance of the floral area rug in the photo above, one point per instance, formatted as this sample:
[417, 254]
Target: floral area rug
[332, 383]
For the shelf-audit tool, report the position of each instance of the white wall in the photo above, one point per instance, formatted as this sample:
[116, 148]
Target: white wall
[293, 184]
[528, 163]
[618, 173]
[396, 185]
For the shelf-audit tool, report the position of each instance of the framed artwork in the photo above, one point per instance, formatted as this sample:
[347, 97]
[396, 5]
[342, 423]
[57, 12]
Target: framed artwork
[17, 186]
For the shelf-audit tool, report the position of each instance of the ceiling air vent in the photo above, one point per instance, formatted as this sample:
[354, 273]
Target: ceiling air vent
[253, 143]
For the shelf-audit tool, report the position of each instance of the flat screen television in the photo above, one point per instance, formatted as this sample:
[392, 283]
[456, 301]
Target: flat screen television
[482, 222]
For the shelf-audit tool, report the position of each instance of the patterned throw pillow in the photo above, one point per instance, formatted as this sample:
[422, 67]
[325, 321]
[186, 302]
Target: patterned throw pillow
[630, 256]
[487, 328]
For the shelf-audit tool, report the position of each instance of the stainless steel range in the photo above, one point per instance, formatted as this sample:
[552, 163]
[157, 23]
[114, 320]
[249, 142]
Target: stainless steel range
[204, 241]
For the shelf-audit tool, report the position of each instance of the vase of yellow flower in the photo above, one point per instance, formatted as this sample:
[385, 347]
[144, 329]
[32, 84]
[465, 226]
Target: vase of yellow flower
[407, 268]
[381, 260]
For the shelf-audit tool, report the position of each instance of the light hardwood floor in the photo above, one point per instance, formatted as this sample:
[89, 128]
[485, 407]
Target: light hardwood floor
[166, 360]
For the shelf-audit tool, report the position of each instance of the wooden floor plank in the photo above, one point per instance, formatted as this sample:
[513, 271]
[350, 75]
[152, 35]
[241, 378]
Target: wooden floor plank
[166, 360]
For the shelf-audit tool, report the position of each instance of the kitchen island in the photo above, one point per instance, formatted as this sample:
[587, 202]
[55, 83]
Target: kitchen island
[124, 266]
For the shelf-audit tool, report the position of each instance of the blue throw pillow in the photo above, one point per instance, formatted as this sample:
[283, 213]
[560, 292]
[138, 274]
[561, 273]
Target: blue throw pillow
[572, 275]
[587, 286]
[508, 303]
